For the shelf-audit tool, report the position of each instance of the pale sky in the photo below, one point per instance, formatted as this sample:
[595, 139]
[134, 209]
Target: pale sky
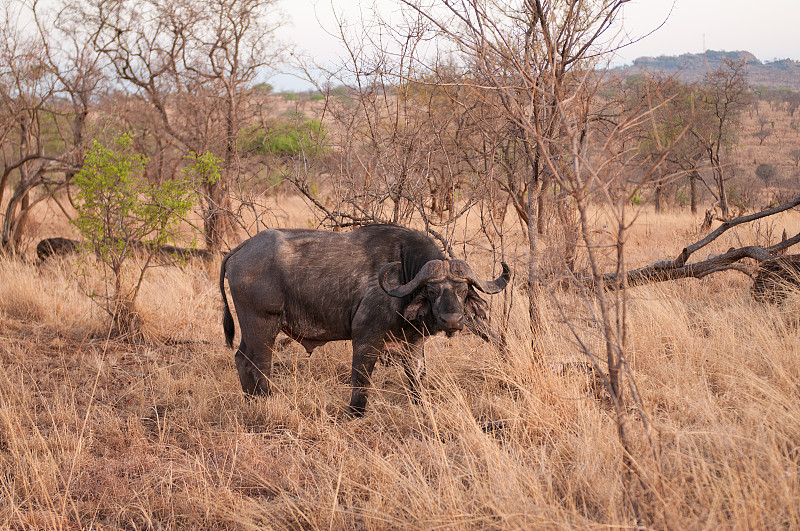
[769, 29]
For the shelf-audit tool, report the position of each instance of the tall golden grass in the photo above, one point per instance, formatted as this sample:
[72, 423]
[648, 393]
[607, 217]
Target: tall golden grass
[106, 434]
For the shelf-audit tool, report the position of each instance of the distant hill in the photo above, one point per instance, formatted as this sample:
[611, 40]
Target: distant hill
[782, 74]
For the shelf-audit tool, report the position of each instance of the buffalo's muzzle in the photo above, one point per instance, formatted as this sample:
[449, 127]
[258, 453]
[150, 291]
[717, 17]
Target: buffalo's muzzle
[451, 321]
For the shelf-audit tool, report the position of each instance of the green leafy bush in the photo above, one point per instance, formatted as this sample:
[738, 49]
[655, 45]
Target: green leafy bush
[264, 88]
[299, 137]
[120, 214]
[205, 168]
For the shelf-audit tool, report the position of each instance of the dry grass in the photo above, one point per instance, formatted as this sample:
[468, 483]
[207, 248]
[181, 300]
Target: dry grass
[98, 434]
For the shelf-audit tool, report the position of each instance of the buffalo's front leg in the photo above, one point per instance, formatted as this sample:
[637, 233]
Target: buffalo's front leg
[253, 371]
[413, 361]
[364, 358]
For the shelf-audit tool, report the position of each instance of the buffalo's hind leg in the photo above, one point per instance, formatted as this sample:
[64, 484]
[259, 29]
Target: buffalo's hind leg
[254, 356]
[243, 367]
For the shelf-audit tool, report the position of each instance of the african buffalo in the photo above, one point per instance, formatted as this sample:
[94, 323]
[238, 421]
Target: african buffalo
[382, 286]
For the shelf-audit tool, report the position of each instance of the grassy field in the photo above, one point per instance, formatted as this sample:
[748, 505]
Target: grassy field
[110, 434]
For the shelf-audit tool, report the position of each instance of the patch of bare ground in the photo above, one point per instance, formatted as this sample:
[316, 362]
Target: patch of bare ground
[156, 434]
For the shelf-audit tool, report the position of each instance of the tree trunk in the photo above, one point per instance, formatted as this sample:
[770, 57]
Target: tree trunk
[533, 284]
[16, 214]
[213, 217]
[658, 193]
[397, 197]
[21, 221]
[216, 217]
[11, 234]
[693, 176]
[723, 198]
[569, 221]
[719, 180]
[540, 217]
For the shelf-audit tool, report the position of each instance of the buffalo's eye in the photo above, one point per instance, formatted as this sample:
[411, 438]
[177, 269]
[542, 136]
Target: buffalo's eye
[461, 291]
[433, 291]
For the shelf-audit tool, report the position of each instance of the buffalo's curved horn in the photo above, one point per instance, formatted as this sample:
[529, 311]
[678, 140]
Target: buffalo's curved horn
[431, 269]
[459, 268]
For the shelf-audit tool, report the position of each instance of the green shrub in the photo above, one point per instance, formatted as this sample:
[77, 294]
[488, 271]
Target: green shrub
[204, 169]
[120, 214]
[264, 88]
[301, 137]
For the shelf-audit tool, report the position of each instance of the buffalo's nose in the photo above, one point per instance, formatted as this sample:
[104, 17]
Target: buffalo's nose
[452, 321]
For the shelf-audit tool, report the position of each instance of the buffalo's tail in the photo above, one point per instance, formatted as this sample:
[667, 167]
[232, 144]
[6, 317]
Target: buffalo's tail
[227, 318]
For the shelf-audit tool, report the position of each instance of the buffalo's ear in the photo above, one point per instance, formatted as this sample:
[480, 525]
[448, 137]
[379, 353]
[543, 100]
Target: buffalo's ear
[475, 305]
[416, 309]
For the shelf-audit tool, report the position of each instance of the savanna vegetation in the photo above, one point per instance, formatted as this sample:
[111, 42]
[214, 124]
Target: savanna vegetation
[634, 381]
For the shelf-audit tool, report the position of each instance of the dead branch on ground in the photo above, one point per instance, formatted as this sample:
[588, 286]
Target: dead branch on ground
[664, 270]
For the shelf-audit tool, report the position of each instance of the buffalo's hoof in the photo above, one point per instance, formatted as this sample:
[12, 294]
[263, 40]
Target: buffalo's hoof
[356, 411]
[261, 389]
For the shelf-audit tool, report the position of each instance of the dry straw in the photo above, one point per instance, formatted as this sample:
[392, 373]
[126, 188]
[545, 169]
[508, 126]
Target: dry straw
[157, 434]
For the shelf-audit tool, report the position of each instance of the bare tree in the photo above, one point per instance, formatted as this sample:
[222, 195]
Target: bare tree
[531, 69]
[666, 136]
[762, 135]
[510, 71]
[402, 143]
[193, 64]
[48, 80]
[25, 89]
[767, 173]
[794, 155]
[725, 94]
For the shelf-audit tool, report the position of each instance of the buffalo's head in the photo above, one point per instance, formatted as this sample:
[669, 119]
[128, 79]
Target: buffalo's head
[443, 292]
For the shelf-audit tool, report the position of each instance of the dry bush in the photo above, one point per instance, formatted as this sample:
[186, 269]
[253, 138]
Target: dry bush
[97, 434]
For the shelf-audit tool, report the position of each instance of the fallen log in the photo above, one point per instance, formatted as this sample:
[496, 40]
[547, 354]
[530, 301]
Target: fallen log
[63, 246]
[766, 259]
